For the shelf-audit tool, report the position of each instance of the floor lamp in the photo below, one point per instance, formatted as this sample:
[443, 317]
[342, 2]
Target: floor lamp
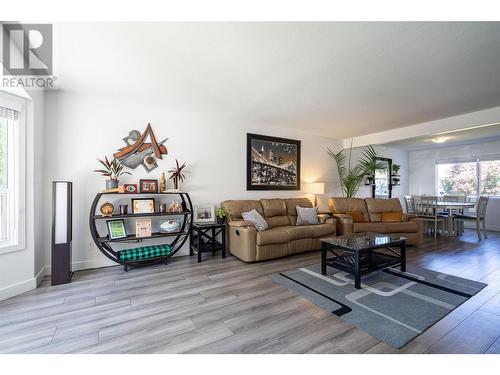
[62, 210]
[316, 188]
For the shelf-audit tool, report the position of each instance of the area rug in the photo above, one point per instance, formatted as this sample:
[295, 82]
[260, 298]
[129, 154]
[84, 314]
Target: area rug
[392, 306]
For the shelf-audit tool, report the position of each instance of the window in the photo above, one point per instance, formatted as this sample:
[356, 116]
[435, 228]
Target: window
[480, 176]
[11, 175]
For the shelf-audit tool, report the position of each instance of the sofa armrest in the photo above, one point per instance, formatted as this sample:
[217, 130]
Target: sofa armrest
[408, 217]
[323, 217]
[332, 220]
[240, 223]
[242, 240]
[420, 223]
[345, 224]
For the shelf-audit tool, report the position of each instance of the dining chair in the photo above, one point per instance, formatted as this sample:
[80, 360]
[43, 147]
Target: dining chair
[479, 217]
[410, 204]
[427, 210]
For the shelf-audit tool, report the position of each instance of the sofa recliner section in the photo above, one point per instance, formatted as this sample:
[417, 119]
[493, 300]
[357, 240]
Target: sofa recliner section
[282, 238]
[371, 210]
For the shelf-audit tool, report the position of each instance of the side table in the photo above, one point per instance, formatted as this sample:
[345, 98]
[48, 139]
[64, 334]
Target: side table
[209, 232]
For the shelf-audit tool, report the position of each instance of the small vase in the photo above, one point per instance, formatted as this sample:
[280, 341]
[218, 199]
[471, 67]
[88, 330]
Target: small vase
[111, 184]
[176, 184]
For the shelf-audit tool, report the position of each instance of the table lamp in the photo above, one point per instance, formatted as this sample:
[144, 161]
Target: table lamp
[315, 188]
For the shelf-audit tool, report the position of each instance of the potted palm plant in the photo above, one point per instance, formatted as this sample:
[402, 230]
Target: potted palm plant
[112, 169]
[351, 175]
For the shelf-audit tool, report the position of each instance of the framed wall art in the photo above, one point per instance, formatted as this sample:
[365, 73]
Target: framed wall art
[272, 163]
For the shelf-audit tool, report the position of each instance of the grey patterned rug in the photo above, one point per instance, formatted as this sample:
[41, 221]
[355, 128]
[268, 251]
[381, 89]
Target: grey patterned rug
[392, 306]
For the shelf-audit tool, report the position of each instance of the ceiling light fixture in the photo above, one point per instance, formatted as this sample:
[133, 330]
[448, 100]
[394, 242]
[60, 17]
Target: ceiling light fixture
[440, 139]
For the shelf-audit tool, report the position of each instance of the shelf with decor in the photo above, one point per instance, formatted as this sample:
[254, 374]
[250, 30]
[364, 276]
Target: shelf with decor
[154, 214]
[148, 253]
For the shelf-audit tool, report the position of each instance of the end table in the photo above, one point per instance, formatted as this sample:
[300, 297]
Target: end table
[209, 232]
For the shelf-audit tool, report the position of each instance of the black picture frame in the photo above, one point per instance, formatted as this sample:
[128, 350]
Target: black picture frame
[280, 143]
[110, 235]
[148, 181]
[150, 200]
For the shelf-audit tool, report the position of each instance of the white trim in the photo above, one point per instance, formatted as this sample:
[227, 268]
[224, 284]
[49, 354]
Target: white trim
[18, 242]
[18, 288]
[41, 274]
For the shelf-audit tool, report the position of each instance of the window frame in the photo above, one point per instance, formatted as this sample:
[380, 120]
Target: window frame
[16, 176]
[473, 159]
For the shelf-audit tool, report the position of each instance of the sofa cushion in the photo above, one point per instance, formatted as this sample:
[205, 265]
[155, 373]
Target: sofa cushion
[291, 207]
[298, 232]
[307, 215]
[377, 206]
[272, 236]
[342, 205]
[236, 207]
[357, 216]
[256, 219]
[391, 217]
[275, 212]
[323, 230]
[370, 227]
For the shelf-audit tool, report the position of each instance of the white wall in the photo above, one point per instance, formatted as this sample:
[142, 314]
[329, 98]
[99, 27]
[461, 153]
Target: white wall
[422, 179]
[81, 127]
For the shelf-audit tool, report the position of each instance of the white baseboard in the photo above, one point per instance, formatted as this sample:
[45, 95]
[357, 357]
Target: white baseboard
[19, 288]
[40, 275]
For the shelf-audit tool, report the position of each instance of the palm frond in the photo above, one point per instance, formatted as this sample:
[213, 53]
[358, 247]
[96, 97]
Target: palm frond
[351, 177]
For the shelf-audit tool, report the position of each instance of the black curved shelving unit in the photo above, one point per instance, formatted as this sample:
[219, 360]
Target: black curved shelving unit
[175, 239]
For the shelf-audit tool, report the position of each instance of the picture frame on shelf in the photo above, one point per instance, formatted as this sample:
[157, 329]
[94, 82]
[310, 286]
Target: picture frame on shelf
[204, 213]
[143, 228]
[143, 205]
[130, 188]
[116, 229]
[148, 186]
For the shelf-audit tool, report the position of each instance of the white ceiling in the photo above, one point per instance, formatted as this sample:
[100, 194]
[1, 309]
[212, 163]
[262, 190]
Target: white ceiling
[336, 79]
[454, 138]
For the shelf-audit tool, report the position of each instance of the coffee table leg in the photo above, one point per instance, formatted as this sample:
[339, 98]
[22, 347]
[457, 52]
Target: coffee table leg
[357, 270]
[403, 256]
[323, 258]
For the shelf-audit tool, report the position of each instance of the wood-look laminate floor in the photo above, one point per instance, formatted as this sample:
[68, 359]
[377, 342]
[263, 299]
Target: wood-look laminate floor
[227, 306]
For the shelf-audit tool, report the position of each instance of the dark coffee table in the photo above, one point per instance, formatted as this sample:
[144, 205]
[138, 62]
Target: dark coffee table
[362, 253]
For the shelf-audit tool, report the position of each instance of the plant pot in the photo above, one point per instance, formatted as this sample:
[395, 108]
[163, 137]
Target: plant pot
[111, 184]
[221, 220]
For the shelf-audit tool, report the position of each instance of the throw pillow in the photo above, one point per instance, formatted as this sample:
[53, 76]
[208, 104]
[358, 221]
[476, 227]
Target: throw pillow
[392, 217]
[357, 216]
[256, 219]
[307, 216]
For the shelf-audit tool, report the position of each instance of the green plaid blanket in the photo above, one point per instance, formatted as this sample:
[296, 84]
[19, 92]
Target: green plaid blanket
[144, 252]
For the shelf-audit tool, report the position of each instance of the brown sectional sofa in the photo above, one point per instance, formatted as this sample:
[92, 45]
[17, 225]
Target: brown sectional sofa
[357, 215]
[282, 238]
